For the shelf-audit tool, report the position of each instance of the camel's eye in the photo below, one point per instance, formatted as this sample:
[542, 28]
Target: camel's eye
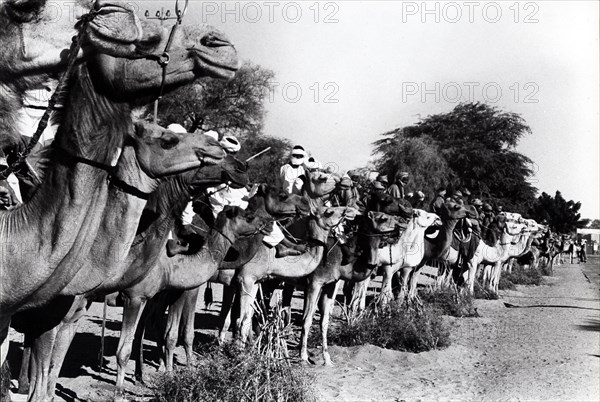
[168, 141]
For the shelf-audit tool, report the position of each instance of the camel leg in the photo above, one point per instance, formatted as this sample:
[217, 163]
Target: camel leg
[24, 373]
[326, 306]
[150, 315]
[414, 279]
[171, 334]
[404, 282]
[225, 314]
[495, 276]
[64, 338]
[187, 322]
[311, 296]
[286, 302]
[472, 271]
[359, 295]
[248, 289]
[386, 283]
[41, 354]
[132, 310]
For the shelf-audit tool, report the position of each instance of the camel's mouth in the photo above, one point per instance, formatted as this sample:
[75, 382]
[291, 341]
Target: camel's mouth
[222, 63]
[210, 157]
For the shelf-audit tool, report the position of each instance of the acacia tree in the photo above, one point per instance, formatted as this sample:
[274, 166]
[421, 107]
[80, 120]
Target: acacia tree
[234, 107]
[561, 215]
[420, 156]
[477, 143]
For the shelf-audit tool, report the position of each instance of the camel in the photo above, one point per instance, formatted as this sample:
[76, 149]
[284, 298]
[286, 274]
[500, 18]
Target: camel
[324, 280]
[404, 254]
[162, 276]
[531, 233]
[164, 206]
[438, 246]
[185, 272]
[64, 214]
[494, 257]
[89, 160]
[265, 266]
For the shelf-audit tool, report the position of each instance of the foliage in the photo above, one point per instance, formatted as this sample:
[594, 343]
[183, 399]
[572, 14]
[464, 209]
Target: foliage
[480, 292]
[232, 373]
[472, 146]
[394, 326]
[562, 215]
[233, 107]
[520, 276]
[450, 300]
[421, 156]
[265, 168]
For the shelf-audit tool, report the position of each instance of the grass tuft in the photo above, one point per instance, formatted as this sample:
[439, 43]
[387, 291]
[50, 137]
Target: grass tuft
[449, 300]
[393, 326]
[482, 293]
[520, 276]
[261, 372]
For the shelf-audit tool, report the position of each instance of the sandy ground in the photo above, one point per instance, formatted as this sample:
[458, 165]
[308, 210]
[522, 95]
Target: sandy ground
[535, 343]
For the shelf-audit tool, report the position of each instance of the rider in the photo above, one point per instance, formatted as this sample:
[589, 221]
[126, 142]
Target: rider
[291, 173]
[398, 189]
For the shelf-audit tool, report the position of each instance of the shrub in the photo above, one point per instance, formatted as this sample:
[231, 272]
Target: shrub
[450, 301]
[482, 293]
[394, 326]
[520, 276]
[233, 373]
[505, 283]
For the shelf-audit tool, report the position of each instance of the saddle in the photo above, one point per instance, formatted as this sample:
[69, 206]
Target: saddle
[465, 241]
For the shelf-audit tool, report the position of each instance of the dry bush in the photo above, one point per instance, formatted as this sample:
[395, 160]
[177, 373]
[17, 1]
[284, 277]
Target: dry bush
[520, 276]
[393, 326]
[449, 300]
[261, 372]
[481, 293]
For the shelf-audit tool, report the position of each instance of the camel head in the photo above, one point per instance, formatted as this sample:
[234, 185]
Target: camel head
[162, 152]
[279, 203]
[323, 219]
[37, 35]
[237, 222]
[319, 183]
[425, 219]
[454, 211]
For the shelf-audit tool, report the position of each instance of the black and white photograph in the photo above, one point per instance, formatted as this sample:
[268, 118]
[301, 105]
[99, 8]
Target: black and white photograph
[304, 200]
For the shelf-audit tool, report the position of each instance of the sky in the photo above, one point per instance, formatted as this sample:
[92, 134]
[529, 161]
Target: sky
[348, 71]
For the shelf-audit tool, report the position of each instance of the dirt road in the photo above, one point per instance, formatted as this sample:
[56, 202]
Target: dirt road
[536, 343]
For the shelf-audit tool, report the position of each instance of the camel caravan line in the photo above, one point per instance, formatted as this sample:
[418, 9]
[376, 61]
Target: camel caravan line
[102, 203]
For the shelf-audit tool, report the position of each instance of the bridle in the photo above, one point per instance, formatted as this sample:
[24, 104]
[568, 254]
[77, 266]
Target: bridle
[162, 59]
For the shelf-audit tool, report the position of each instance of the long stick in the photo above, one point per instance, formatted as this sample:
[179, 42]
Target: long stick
[102, 336]
[258, 154]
